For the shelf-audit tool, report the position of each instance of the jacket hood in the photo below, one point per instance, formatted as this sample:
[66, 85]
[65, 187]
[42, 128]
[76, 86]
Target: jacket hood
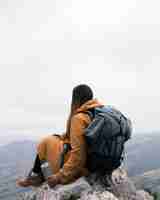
[89, 104]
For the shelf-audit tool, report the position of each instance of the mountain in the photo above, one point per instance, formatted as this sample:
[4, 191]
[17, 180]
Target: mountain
[17, 151]
[16, 159]
[94, 187]
[149, 181]
[143, 153]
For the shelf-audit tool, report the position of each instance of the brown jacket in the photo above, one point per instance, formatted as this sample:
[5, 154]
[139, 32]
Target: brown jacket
[75, 162]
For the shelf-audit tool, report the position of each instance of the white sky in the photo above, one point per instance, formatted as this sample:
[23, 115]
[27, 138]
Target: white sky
[47, 47]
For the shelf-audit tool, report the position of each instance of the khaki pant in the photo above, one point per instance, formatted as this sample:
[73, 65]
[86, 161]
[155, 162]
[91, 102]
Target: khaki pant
[50, 149]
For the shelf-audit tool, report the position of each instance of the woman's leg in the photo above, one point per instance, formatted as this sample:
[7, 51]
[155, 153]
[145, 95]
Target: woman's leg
[37, 166]
[35, 176]
[50, 149]
[36, 170]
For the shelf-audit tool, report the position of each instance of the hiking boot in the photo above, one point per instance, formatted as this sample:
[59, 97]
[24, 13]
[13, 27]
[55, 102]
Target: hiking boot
[34, 181]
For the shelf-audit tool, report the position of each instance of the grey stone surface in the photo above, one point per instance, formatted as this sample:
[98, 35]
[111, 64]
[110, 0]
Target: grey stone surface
[98, 196]
[60, 192]
[95, 187]
[142, 195]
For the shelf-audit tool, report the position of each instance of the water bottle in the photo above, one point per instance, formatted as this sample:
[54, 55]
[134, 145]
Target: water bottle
[46, 169]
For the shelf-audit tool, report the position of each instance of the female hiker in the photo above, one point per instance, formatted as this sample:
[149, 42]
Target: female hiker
[66, 167]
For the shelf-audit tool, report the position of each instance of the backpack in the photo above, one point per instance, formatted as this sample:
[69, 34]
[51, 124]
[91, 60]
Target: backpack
[106, 136]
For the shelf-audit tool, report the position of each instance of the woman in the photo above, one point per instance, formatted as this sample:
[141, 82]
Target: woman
[51, 147]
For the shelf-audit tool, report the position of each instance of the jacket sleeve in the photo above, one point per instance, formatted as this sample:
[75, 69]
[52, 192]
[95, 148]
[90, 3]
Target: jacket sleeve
[77, 160]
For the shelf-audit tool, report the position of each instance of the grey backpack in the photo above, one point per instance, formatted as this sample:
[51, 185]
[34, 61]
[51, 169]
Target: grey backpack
[106, 136]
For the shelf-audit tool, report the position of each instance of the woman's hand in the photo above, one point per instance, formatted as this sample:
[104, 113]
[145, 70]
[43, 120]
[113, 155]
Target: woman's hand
[53, 180]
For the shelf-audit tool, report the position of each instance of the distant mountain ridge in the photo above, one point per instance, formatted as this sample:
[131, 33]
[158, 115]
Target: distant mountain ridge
[17, 150]
[17, 154]
[17, 159]
[149, 181]
[143, 153]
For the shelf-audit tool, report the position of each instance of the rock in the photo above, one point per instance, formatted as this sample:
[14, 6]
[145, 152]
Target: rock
[73, 190]
[95, 187]
[121, 186]
[99, 196]
[142, 195]
[118, 184]
[60, 192]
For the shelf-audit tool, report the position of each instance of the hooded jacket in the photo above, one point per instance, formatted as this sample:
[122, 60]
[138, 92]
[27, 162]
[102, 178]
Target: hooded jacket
[75, 161]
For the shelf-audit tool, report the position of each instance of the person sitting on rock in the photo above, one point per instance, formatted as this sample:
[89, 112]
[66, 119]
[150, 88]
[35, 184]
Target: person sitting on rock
[51, 148]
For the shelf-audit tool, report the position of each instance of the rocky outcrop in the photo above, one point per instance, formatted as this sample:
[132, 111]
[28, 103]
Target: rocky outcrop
[95, 187]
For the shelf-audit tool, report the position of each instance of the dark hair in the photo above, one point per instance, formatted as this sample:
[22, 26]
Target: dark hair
[81, 94]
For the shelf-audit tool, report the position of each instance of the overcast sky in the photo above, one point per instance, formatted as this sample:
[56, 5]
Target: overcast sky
[47, 47]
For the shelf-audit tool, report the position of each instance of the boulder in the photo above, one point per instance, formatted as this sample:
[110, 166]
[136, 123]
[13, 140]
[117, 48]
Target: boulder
[94, 187]
[141, 194]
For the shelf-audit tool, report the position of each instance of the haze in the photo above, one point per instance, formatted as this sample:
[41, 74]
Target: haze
[48, 47]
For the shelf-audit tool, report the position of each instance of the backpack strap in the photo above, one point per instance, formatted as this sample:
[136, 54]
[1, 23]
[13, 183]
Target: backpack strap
[91, 113]
[66, 148]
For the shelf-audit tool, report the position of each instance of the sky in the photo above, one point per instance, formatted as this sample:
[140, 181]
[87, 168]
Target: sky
[48, 47]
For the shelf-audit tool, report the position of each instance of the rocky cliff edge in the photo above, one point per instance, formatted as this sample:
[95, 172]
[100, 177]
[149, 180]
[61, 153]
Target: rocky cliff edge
[115, 187]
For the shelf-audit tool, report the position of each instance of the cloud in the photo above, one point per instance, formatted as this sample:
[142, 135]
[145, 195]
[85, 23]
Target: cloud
[47, 48]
